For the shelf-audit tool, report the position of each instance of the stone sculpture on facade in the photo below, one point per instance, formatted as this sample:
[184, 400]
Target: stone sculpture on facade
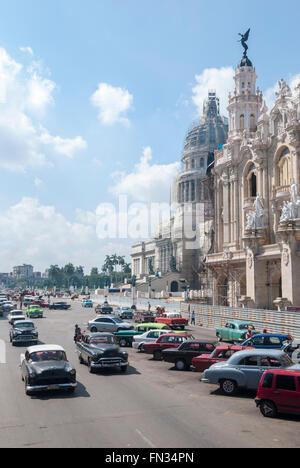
[291, 210]
[243, 40]
[255, 219]
[284, 90]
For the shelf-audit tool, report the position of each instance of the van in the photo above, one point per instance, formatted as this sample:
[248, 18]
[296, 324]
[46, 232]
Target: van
[279, 392]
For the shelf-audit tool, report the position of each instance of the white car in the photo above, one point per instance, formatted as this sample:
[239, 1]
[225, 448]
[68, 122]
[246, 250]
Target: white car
[148, 337]
[14, 314]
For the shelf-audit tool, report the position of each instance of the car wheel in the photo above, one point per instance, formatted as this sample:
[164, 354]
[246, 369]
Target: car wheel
[27, 392]
[91, 370]
[124, 368]
[219, 338]
[94, 330]
[157, 356]
[228, 387]
[268, 409]
[123, 343]
[180, 365]
[140, 348]
[81, 361]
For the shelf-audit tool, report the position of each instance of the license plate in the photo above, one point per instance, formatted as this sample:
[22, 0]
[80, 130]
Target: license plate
[53, 387]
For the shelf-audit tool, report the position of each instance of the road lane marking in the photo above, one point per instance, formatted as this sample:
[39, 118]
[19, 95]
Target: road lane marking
[145, 439]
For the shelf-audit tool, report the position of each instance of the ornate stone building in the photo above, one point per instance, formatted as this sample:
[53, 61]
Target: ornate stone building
[168, 252]
[257, 218]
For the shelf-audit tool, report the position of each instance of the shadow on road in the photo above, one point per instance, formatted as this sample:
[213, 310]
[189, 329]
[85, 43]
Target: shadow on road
[111, 372]
[80, 392]
[245, 394]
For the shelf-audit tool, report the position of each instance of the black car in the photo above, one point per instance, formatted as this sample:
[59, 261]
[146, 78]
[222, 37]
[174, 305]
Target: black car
[60, 306]
[46, 368]
[23, 331]
[100, 351]
[104, 309]
[182, 356]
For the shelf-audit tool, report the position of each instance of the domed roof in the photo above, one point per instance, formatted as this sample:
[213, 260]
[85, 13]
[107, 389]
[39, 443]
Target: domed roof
[245, 62]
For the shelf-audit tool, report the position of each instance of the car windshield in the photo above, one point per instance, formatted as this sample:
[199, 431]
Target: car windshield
[23, 325]
[102, 340]
[42, 356]
[246, 326]
[15, 314]
[117, 320]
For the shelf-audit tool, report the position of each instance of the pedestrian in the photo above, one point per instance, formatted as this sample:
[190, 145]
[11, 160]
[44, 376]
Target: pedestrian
[193, 318]
[249, 334]
[149, 307]
[189, 311]
[265, 331]
[78, 334]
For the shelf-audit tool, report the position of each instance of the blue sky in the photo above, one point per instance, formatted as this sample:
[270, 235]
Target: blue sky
[148, 55]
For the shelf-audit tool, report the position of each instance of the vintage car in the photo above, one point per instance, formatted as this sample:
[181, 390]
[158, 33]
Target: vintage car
[125, 338]
[17, 318]
[220, 354]
[245, 369]
[8, 306]
[292, 348]
[23, 331]
[279, 392]
[87, 303]
[100, 351]
[45, 368]
[269, 341]
[109, 324]
[171, 340]
[60, 306]
[144, 317]
[34, 311]
[235, 331]
[124, 313]
[182, 356]
[14, 313]
[104, 309]
[173, 320]
[40, 303]
[149, 336]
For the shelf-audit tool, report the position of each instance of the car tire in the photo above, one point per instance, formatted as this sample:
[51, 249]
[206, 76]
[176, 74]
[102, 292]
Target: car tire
[140, 348]
[94, 330]
[91, 370]
[123, 343]
[81, 361]
[124, 369]
[268, 409]
[157, 356]
[180, 365]
[219, 338]
[27, 392]
[228, 387]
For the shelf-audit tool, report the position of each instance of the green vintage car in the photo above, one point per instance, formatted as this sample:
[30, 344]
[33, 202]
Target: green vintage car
[124, 338]
[235, 331]
[34, 311]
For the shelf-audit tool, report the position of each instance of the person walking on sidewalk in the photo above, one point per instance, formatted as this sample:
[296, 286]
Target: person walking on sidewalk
[193, 322]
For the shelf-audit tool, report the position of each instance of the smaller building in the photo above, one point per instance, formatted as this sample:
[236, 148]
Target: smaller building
[23, 271]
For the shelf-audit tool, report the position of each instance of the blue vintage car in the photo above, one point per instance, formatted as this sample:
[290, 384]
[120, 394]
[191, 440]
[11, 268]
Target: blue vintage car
[268, 341]
[245, 369]
[87, 303]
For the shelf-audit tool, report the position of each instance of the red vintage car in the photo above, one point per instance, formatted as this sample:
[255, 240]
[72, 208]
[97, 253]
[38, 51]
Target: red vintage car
[220, 354]
[174, 320]
[40, 303]
[171, 340]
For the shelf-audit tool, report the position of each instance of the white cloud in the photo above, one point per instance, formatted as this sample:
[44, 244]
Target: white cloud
[27, 50]
[217, 79]
[112, 103]
[24, 96]
[270, 96]
[147, 182]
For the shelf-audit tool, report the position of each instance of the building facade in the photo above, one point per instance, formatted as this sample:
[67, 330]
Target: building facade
[23, 271]
[256, 259]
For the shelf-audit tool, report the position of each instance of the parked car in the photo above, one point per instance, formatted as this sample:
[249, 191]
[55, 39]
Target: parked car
[87, 303]
[14, 313]
[144, 317]
[182, 356]
[220, 354]
[100, 351]
[17, 318]
[245, 369]
[108, 323]
[279, 392]
[8, 306]
[235, 331]
[138, 340]
[125, 338]
[292, 348]
[34, 311]
[40, 303]
[124, 313]
[23, 331]
[174, 320]
[104, 309]
[60, 306]
[45, 368]
[270, 341]
[171, 340]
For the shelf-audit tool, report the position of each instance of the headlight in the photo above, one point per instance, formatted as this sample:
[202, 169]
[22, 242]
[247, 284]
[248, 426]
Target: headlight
[72, 371]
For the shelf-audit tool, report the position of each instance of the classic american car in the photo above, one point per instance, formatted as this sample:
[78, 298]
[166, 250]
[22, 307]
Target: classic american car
[45, 368]
[13, 314]
[60, 306]
[245, 369]
[235, 331]
[125, 338]
[172, 340]
[174, 320]
[87, 303]
[144, 317]
[150, 336]
[100, 351]
[270, 341]
[182, 356]
[108, 323]
[104, 309]
[220, 354]
[124, 313]
[34, 311]
[23, 331]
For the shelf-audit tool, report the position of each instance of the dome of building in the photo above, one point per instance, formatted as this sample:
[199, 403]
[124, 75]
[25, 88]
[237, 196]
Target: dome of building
[245, 62]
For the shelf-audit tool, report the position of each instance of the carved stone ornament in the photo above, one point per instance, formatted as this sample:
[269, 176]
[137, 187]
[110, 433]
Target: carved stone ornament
[250, 260]
[286, 257]
[284, 90]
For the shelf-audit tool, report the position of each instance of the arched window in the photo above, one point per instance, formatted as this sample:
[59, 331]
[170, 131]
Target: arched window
[242, 122]
[251, 183]
[252, 123]
[193, 163]
[284, 168]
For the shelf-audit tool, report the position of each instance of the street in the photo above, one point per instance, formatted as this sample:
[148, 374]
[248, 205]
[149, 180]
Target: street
[152, 406]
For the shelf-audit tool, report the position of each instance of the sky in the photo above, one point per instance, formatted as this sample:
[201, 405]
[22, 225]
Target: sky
[96, 98]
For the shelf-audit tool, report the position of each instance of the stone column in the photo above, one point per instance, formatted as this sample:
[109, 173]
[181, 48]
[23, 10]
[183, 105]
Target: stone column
[256, 273]
[290, 271]
[226, 211]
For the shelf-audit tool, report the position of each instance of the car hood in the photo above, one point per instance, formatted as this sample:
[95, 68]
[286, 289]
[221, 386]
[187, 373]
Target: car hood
[40, 367]
[105, 348]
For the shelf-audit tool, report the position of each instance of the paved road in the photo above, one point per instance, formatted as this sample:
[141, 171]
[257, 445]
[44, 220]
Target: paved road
[151, 406]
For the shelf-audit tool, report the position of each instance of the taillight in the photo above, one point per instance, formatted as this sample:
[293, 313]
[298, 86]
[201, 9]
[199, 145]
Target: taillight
[133, 340]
